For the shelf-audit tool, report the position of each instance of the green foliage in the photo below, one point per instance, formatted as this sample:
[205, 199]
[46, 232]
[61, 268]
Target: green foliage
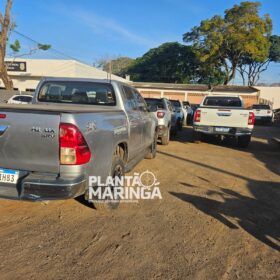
[225, 40]
[15, 46]
[119, 66]
[43, 47]
[274, 52]
[170, 63]
[250, 68]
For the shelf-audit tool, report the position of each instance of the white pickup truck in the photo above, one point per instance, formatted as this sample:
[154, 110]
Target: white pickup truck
[263, 113]
[224, 116]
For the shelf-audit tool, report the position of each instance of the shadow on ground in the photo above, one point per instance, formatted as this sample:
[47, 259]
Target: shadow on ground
[259, 215]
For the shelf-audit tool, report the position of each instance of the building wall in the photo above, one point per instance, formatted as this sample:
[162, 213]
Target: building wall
[195, 97]
[150, 94]
[272, 94]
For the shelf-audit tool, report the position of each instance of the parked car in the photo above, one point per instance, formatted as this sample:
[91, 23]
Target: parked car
[178, 109]
[276, 116]
[74, 128]
[20, 99]
[163, 111]
[263, 113]
[224, 116]
[188, 112]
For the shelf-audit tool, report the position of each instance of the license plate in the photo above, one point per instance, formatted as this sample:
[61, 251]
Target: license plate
[8, 176]
[222, 129]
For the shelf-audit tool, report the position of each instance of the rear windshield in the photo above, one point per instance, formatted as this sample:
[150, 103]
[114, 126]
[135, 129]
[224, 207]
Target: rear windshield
[155, 102]
[222, 101]
[176, 103]
[261, 106]
[88, 93]
[23, 98]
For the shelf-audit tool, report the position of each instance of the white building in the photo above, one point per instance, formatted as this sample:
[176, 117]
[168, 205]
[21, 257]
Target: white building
[272, 94]
[26, 73]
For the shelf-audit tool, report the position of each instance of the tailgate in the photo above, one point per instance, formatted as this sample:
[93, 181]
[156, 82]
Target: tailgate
[224, 117]
[29, 141]
[262, 113]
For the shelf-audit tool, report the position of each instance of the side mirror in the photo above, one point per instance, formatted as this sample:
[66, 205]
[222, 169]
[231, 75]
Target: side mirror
[152, 108]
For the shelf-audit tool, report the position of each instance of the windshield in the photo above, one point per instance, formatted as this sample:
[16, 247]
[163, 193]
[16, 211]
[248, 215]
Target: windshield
[87, 93]
[222, 101]
[155, 102]
[261, 106]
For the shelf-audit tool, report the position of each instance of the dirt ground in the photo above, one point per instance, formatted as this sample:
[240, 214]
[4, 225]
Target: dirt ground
[219, 219]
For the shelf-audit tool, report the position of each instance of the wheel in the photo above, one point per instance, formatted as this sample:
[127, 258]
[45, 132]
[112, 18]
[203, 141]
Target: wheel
[197, 136]
[243, 141]
[153, 149]
[117, 170]
[165, 138]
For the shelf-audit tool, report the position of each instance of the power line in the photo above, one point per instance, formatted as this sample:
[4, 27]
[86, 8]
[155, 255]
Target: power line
[51, 49]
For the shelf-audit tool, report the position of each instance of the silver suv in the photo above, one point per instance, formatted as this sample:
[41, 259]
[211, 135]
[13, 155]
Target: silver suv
[164, 111]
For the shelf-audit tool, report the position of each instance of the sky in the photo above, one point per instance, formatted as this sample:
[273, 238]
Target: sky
[89, 30]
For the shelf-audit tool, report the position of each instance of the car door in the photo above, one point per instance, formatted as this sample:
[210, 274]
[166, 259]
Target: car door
[135, 122]
[147, 121]
[172, 113]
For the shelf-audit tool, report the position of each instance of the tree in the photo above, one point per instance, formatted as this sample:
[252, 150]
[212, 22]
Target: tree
[5, 24]
[224, 40]
[115, 65]
[169, 63]
[251, 69]
[118, 66]
[6, 27]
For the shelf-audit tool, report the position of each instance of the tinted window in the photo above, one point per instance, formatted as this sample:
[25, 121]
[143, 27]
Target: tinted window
[130, 98]
[88, 93]
[155, 102]
[261, 106]
[222, 101]
[24, 98]
[141, 104]
[176, 103]
[16, 98]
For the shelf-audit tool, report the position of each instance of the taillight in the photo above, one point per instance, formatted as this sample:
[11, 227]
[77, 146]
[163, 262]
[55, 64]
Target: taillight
[197, 116]
[251, 120]
[160, 115]
[73, 146]
[2, 116]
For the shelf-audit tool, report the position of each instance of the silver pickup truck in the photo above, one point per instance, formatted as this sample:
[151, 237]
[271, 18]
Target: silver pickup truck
[75, 128]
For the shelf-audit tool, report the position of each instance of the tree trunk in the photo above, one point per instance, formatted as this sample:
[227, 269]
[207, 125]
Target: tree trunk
[5, 25]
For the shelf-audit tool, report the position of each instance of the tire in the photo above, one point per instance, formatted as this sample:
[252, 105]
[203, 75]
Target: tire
[243, 141]
[166, 137]
[153, 149]
[196, 137]
[117, 170]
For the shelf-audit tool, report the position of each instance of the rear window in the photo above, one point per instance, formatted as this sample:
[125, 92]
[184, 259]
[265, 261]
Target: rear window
[222, 101]
[261, 106]
[24, 98]
[87, 93]
[176, 103]
[155, 102]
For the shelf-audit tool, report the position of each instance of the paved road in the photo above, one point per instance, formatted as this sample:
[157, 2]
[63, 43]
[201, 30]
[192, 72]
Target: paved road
[219, 219]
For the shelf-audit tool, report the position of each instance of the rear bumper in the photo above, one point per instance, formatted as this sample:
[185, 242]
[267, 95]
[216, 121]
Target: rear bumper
[233, 131]
[263, 118]
[162, 130]
[44, 187]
